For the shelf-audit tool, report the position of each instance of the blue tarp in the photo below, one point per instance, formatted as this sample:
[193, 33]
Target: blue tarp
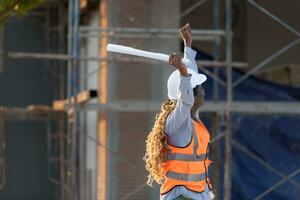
[274, 139]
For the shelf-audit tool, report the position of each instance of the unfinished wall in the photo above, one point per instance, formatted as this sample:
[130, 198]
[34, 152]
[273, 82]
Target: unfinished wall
[265, 36]
[126, 132]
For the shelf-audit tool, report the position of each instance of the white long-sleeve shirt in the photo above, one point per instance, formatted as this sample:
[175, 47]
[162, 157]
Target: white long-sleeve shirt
[179, 127]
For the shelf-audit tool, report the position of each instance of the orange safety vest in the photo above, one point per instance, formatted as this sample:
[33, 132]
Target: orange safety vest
[187, 166]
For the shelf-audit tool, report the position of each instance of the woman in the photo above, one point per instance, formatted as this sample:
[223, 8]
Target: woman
[177, 146]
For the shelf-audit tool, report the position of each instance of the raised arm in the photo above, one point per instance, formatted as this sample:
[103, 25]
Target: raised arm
[178, 122]
[181, 116]
[189, 53]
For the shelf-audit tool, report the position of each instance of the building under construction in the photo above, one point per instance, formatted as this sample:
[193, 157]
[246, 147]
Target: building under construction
[74, 118]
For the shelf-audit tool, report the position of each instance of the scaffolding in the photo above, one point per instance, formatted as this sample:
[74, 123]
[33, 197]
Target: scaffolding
[65, 133]
[226, 107]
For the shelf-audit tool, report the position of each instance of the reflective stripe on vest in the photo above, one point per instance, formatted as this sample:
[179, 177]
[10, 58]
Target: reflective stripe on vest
[195, 140]
[185, 157]
[186, 177]
[188, 157]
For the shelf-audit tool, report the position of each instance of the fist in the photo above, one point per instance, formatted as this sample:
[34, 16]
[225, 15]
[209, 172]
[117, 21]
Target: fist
[175, 60]
[186, 33]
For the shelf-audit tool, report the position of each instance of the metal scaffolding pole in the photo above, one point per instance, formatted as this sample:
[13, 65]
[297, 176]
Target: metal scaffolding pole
[70, 47]
[117, 58]
[69, 134]
[167, 31]
[148, 33]
[73, 44]
[240, 107]
[215, 131]
[72, 89]
[228, 136]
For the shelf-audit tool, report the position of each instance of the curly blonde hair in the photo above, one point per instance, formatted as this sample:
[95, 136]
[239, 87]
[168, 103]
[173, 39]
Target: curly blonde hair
[154, 156]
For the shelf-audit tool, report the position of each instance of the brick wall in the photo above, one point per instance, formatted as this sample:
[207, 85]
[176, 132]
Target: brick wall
[132, 84]
[132, 128]
[134, 81]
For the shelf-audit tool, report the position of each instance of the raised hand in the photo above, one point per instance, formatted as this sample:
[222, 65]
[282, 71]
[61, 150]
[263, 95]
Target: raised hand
[175, 60]
[186, 35]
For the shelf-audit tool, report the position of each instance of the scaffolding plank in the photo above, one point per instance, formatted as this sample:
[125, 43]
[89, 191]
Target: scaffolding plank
[80, 98]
